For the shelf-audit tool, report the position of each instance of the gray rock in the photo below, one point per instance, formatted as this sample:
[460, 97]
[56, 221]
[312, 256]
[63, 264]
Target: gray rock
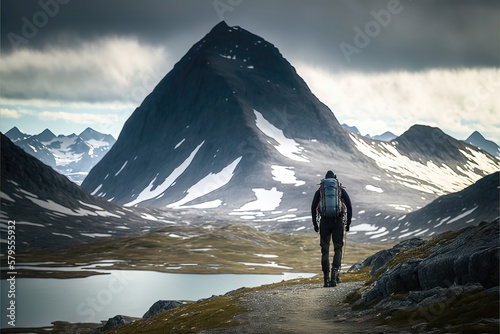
[437, 271]
[483, 267]
[402, 278]
[470, 258]
[380, 259]
[116, 321]
[160, 306]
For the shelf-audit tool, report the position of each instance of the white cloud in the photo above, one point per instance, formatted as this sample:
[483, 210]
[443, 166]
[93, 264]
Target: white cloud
[10, 113]
[78, 118]
[111, 69]
[457, 101]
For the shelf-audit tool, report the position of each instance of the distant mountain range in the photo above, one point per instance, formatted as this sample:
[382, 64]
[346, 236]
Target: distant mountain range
[386, 136]
[475, 139]
[73, 155]
[50, 211]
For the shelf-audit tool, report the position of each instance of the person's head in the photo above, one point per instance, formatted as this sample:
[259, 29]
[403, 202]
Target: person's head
[329, 175]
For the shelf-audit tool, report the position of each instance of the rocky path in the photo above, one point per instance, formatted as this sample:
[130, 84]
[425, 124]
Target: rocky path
[302, 308]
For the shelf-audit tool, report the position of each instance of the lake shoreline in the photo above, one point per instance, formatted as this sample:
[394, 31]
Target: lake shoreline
[96, 298]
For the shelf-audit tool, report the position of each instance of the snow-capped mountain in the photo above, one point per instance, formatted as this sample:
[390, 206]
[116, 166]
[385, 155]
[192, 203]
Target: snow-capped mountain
[489, 146]
[15, 134]
[73, 155]
[50, 211]
[234, 129]
[470, 206]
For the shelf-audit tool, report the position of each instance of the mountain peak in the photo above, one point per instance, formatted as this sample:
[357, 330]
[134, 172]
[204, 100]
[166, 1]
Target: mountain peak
[15, 134]
[478, 140]
[476, 135]
[90, 133]
[231, 105]
[428, 143]
[45, 135]
[222, 25]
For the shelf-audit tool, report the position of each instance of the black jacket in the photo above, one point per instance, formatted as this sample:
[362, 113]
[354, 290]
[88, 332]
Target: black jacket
[345, 199]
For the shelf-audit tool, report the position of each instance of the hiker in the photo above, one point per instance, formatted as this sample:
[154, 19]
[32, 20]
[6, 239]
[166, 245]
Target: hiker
[331, 225]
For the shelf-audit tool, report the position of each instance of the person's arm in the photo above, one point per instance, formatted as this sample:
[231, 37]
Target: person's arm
[348, 205]
[314, 205]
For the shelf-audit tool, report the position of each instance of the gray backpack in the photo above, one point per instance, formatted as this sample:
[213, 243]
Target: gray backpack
[330, 204]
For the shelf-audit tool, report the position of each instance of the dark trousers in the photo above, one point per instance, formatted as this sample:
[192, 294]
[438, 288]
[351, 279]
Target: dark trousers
[331, 229]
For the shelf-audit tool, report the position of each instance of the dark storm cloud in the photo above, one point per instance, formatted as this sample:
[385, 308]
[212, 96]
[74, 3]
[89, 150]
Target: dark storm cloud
[417, 35]
[423, 34]
[77, 21]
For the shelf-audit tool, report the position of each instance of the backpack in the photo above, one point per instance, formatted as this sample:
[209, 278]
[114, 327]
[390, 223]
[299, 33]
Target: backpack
[330, 204]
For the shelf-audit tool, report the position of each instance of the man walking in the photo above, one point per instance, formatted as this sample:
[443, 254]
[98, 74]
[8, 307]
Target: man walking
[325, 204]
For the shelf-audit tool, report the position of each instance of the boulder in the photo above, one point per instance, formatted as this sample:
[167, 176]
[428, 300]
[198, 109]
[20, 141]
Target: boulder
[116, 321]
[469, 256]
[160, 306]
[380, 259]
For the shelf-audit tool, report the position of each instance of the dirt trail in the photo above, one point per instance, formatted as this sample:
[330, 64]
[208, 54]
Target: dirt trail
[303, 308]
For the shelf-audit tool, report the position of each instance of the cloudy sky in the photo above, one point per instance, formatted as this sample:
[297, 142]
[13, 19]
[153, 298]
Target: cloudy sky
[379, 65]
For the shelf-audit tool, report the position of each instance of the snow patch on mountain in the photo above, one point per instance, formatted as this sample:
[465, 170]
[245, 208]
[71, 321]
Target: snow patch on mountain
[179, 143]
[373, 188]
[428, 177]
[462, 215]
[285, 146]
[120, 170]
[208, 184]
[267, 200]
[151, 192]
[285, 175]
[96, 190]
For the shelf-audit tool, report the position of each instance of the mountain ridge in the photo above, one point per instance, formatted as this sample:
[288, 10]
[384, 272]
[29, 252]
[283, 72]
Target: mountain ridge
[51, 211]
[70, 155]
[478, 140]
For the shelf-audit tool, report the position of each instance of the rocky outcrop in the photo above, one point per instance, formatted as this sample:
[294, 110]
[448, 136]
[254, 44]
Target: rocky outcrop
[468, 256]
[379, 259]
[449, 284]
[120, 320]
[112, 323]
[160, 306]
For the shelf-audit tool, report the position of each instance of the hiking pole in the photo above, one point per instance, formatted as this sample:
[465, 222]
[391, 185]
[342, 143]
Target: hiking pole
[344, 247]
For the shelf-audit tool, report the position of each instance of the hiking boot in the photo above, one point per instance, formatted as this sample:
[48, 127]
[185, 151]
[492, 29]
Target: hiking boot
[338, 278]
[326, 283]
[333, 281]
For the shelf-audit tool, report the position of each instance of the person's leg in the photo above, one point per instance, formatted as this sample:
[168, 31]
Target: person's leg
[325, 237]
[338, 243]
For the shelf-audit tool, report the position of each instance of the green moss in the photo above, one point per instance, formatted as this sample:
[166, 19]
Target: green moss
[215, 313]
[466, 311]
[362, 274]
[353, 297]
